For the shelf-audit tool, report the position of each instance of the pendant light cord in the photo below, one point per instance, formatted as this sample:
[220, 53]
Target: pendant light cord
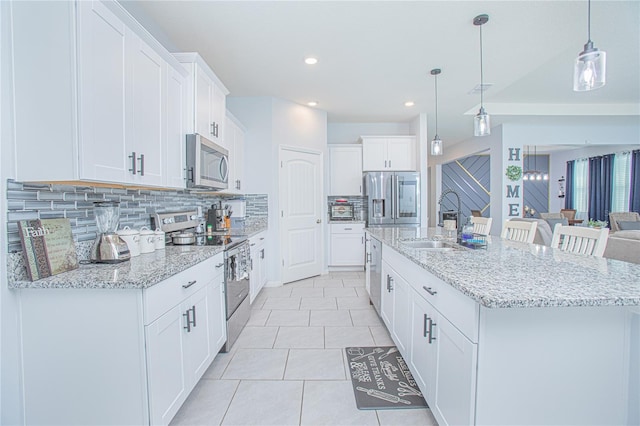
[481, 73]
[589, 20]
[436, 104]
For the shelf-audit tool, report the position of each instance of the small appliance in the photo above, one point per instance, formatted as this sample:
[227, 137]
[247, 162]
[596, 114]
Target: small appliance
[341, 210]
[216, 217]
[207, 164]
[108, 247]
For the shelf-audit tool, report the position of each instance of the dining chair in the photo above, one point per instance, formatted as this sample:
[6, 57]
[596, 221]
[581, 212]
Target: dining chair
[519, 231]
[476, 213]
[580, 239]
[570, 214]
[481, 225]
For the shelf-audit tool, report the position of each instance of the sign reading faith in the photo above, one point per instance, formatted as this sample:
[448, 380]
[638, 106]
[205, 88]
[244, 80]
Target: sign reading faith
[514, 173]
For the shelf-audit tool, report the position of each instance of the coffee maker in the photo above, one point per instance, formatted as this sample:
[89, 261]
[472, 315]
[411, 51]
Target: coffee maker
[108, 247]
[216, 218]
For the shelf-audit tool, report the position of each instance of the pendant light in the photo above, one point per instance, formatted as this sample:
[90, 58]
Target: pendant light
[534, 174]
[589, 72]
[482, 121]
[436, 143]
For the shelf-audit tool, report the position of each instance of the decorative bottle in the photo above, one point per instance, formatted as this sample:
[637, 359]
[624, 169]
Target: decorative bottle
[467, 231]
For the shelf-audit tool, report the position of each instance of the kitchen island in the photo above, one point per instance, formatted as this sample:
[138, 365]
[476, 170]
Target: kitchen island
[514, 333]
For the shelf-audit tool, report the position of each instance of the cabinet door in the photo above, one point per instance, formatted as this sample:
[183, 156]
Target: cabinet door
[254, 273]
[401, 154]
[197, 340]
[175, 149]
[345, 171]
[262, 255]
[367, 263]
[386, 302]
[374, 154]
[456, 376]
[102, 69]
[203, 102]
[347, 249]
[423, 359]
[145, 115]
[401, 330]
[165, 359]
[217, 314]
[218, 110]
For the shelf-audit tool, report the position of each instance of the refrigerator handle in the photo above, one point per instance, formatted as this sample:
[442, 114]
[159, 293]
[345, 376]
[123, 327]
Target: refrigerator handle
[397, 190]
[393, 198]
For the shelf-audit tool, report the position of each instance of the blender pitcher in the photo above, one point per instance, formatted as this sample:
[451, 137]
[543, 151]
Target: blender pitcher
[108, 247]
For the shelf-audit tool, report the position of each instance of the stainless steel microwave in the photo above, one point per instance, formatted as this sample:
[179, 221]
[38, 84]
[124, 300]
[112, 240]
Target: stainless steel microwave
[207, 164]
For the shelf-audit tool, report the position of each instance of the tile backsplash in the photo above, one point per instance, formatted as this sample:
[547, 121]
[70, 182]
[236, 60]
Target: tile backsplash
[28, 201]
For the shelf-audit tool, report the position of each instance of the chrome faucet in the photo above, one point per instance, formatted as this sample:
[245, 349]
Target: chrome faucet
[459, 213]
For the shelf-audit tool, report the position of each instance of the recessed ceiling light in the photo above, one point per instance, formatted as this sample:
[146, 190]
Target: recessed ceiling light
[409, 104]
[310, 60]
[312, 103]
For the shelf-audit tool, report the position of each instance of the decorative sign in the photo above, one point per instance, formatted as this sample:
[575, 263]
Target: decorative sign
[514, 174]
[48, 247]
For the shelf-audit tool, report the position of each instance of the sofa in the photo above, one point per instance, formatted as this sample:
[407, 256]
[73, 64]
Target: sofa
[544, 233]
[628, 219]
[624, 245]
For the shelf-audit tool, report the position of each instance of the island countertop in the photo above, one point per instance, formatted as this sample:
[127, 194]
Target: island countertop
[509, 274]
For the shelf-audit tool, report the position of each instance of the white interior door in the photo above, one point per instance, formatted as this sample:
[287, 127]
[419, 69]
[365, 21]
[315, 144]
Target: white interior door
[300, 214]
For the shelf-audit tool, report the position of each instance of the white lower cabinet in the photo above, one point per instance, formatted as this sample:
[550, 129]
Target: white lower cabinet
[258, 274]
[130, 356]
[442, 359]
[346, 244]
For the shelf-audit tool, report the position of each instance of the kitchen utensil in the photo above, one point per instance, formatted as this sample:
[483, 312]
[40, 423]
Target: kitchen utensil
[383, 395]
[375, 351]
[108, 247]
[183, 238]
[389, 352]
[132, 238]
[147, 240]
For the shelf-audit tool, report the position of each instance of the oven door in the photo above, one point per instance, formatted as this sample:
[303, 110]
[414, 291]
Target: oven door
[237, 277]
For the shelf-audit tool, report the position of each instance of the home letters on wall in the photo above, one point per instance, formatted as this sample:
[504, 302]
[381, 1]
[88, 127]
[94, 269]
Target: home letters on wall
[514, 173]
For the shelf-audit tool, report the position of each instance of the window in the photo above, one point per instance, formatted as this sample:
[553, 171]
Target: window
[581, 188]
[621, 182]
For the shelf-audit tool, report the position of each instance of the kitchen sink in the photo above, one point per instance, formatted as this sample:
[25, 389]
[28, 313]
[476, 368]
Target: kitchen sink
[428, 245]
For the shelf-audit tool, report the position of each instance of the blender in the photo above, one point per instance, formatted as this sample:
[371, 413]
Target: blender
[108, 247]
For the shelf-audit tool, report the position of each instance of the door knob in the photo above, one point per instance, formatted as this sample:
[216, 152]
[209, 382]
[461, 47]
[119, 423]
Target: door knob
[318, 221]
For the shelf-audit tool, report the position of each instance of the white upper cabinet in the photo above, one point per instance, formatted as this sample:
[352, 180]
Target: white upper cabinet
[206, 100]
[345, 170]
[234, 141]
[102, 72]
[175, 130]
[388, 153]
[114, 116]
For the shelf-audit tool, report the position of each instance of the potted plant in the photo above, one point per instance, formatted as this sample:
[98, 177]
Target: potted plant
[597, 223]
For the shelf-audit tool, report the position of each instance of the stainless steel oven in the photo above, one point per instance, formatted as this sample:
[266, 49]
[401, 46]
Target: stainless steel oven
[236, 270]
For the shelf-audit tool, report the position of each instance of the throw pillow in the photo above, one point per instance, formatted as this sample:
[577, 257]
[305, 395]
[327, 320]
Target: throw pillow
[553, 222]
[631, 235]
[628, 225]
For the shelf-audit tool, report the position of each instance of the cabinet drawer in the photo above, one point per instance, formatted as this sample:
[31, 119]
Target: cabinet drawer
[347, 228]
[163, 296]
[460, 310]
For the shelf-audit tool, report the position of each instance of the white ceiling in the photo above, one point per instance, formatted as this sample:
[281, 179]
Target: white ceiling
[374, 56]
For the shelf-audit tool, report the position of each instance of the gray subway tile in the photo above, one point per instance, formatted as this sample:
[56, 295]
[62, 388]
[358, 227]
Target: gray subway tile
[72, 196]
[15, 205]
[51, 215]
[15, 216]
[64, 206]
[38, 205]
[22, 195]
[46, 195]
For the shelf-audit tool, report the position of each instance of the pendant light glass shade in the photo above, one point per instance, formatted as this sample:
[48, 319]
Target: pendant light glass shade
[436, 143]
[590, 70]
[436, 146]
[482, 121]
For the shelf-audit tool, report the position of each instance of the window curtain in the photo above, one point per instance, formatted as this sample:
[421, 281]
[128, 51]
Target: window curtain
[568, 192]
[621, 182]
[600, 180]
[634, 202]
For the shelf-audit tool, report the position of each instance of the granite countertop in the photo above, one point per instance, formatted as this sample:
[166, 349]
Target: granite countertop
[139, 272]
[509, 274]
[344, 222]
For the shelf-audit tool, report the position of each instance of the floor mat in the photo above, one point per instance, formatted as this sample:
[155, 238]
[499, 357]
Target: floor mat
[381, 379]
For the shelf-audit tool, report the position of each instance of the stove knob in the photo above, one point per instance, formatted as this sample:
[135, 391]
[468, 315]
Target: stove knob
[193, 217]
[167, 220]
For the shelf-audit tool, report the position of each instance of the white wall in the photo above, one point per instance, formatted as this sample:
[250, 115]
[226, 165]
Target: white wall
[419, 129]
[350, 132]
[270, 123]
[10, 383]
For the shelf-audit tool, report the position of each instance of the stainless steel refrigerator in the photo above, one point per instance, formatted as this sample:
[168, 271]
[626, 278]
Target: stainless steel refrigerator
[393, 198]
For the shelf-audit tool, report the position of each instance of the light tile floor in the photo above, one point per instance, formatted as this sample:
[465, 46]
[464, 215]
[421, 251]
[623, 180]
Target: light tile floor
[288, 367]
